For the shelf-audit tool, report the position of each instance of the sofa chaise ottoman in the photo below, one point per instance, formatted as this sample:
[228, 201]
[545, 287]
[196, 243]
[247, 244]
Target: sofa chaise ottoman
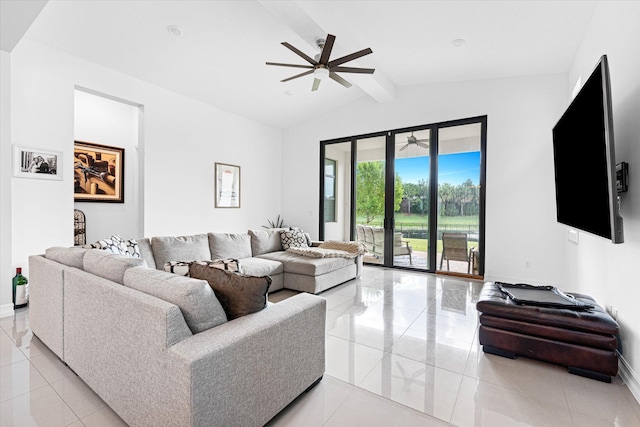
[585, 341]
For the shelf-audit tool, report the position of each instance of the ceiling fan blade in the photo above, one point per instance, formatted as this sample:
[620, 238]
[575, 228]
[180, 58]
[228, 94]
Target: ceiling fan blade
[353, 70]
[297, 75]
[289, 65]
[299, 53]
[316, 83]
[326, 50]
[422, 140]
[348, 58]
[420, 144]
[339, 79]
[404, 147]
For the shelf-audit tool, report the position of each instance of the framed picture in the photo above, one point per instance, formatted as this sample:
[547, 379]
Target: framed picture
[98, 173]
[227, 186]
[37, 163]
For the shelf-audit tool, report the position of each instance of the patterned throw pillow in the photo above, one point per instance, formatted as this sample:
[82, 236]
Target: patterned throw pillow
[182, 267]
[294, 238]
[117, 245]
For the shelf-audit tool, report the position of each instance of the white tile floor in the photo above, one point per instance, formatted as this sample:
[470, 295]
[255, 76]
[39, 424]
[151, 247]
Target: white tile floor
[401, 351]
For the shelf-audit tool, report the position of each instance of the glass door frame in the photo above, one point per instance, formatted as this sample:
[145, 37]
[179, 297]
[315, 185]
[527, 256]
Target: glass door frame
[389, 218]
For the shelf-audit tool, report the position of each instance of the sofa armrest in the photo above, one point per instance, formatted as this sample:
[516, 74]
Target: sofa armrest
[117, 337]
[247, 370]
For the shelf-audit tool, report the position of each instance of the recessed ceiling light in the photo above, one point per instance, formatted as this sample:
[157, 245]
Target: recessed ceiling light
[174, 30]
[458, 42]
[289, 93]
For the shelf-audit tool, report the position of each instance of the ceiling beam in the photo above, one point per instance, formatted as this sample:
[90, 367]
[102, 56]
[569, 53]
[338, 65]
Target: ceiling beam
[307, 24]
[16, 16]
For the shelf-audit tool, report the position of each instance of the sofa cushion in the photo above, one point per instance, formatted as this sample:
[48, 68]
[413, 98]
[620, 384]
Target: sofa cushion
[229, 245]
[293, 238]
[117, 245]
[108, 265]
[261, 267]
[239, 294]
[73, 257]
[265, 241]
[146, 252]
[294, 263]
[199, 305]
[166, 248]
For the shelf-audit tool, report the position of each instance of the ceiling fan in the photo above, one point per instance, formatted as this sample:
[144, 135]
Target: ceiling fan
[413, 140]
[322, 67]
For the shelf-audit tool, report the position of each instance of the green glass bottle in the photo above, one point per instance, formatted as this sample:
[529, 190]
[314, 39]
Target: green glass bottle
[20, 290]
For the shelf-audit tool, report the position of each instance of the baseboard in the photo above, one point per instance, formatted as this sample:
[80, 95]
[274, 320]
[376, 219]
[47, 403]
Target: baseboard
[6, 310]
[629, 377]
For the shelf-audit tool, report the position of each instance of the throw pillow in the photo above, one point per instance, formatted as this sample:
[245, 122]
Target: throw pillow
[182, 267]
[117, 245]
[238, 294]
[294, 238]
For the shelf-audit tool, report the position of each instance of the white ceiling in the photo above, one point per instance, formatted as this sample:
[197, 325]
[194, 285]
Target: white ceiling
[220, 58]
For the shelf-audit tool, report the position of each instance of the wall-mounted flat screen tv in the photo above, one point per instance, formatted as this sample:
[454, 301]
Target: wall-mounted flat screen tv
[584, 160]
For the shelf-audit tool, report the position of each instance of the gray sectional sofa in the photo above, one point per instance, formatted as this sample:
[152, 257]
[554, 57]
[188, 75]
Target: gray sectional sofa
[260, 253]
[157, 347]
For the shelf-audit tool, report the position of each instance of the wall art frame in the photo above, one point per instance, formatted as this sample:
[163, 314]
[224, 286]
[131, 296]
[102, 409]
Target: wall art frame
[98, 173]
[37, 163]
[227, 186]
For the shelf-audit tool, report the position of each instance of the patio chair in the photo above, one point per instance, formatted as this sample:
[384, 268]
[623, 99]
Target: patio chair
[455, 248]
[401, 247]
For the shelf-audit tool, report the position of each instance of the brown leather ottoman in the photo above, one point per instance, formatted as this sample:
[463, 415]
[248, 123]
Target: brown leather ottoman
[583, 341]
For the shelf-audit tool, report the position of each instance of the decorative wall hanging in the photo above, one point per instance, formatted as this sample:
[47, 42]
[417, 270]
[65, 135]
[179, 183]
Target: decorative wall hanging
[227, 186]
[37, 163]
[98, 173]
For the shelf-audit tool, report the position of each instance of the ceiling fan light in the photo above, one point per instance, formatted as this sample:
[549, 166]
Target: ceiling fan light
[320, 73]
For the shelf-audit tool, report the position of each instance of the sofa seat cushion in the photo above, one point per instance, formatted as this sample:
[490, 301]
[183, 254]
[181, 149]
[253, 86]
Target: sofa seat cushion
[108, 265]
[198, 303]
[168, 248]
[229, 245]
[307, 266]
[261, 267]
[73, 257]
[238, 294]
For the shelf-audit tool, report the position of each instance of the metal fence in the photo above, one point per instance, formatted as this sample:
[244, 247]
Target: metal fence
[421, 230]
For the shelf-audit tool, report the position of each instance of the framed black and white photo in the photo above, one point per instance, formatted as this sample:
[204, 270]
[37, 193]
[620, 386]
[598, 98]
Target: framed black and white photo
[37, 163]
[227, 186]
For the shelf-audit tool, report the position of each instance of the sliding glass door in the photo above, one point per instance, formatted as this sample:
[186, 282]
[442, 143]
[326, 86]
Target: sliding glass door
[459, 198]
[412, 161]
[414, 197]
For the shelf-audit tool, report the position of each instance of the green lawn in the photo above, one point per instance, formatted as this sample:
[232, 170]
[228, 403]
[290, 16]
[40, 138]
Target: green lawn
[403, 218]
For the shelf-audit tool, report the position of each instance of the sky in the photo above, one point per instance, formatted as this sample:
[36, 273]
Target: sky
[452, 168]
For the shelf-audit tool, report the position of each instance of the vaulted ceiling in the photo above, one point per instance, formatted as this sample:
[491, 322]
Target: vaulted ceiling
[220, 57]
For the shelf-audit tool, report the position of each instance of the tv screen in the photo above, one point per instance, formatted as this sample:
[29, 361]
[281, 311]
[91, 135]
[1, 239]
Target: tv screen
[584, 160]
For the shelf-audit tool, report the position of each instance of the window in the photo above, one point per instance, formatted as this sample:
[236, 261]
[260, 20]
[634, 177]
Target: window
[329, 190]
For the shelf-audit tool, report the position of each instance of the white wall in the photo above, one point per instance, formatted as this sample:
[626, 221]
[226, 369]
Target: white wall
[183, 138]
[608, 272]
[113, 123]
[520, 218]
[6, 268]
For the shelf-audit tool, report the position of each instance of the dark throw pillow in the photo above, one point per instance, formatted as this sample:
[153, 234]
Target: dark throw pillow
[238, 293]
